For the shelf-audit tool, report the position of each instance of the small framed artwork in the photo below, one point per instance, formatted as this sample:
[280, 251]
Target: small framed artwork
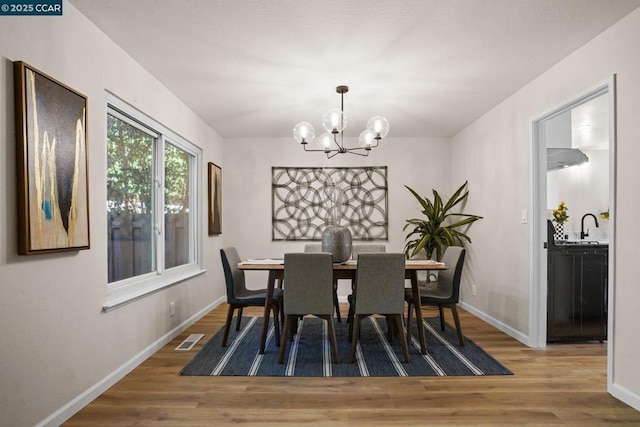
[215, 199]
[51, 133]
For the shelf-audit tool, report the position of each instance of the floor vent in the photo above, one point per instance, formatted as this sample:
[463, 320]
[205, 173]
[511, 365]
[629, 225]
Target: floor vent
[189, 342]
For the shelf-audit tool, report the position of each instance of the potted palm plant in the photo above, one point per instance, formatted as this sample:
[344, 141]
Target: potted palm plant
[440, 227]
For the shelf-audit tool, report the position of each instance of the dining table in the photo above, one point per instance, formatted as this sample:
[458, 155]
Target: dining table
[343, 270]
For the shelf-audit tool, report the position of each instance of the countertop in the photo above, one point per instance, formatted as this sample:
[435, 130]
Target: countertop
[581, 243]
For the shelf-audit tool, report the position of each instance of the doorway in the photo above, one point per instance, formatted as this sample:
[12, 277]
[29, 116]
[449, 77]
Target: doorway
[542, 127]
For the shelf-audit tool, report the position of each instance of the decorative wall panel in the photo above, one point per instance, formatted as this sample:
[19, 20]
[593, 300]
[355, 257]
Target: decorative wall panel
[305, 200]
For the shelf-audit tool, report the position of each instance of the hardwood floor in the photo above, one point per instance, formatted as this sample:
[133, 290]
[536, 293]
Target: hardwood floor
[562, 385]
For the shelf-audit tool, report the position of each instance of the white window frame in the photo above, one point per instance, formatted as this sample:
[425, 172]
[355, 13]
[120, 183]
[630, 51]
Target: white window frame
[130, 289]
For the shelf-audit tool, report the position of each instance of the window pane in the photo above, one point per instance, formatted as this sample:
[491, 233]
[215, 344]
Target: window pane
[176, 206]
[129, 200]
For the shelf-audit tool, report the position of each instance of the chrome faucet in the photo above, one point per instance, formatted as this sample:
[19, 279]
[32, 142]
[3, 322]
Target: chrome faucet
[582, 233]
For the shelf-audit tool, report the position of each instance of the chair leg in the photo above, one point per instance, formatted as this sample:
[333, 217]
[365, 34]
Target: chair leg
[239, 318]
[356, 332]
[403, 339]
[332, 338]
[282, 313]
[409, 323]
[336, 304]
[294, 327]
[350, 335]
[351, 327]
[276, 323]
[441, 310]
[285, 332]
[456, 319]
[227, 325]
[389, 328]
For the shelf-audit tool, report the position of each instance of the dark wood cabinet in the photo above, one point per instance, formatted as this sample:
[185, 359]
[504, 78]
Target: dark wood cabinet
[577, 293]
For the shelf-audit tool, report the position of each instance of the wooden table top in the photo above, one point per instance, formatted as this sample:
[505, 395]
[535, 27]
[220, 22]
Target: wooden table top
[278, 264]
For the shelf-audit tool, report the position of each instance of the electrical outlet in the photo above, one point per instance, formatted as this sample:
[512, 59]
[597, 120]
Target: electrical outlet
[474, 290]
[172, 308]
[524, 216]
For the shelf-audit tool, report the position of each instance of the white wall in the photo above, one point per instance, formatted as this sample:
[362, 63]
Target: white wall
[585, 189]
[421, 163]
[56, 343]
[494, 152]
[489, 155]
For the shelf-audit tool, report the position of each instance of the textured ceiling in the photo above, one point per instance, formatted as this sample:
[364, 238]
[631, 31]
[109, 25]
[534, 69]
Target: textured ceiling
[254, 68]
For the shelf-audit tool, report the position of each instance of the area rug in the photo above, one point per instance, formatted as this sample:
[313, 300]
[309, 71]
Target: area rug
[309, 355]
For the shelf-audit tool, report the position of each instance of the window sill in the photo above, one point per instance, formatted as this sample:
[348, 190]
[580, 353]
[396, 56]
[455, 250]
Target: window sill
[123, 293]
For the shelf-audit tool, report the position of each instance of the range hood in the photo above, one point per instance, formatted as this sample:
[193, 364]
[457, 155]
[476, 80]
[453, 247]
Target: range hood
[558, 158]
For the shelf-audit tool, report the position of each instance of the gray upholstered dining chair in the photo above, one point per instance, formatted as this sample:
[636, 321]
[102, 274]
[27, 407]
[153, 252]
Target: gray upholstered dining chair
[357, 250]
[238, 296]
[308, 289]
[446, 292]
[368, 248]
[317, 247]
[379, 289]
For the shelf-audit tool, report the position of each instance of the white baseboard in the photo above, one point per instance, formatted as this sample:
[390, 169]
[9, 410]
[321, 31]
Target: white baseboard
[625, 395]
[524, 339]
[82, 400]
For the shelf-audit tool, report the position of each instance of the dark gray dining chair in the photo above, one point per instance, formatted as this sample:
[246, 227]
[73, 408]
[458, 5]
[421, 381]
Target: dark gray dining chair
[355, 251]
[367, 248]
[308, 289]
[379, 289]
[313, 247]
[238, 296]
[317, 247]
[446, 291]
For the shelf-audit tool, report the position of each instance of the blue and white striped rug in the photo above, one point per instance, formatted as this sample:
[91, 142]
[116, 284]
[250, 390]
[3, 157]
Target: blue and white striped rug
[309, 355]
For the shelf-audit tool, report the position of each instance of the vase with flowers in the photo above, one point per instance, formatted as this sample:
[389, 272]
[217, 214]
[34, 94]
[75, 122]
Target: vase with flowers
[559, 218]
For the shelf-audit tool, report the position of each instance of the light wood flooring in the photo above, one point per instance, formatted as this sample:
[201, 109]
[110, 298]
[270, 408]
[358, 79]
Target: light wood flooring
[564, 384]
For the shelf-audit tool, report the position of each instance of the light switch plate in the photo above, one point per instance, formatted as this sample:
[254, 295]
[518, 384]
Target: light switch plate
[525, 216]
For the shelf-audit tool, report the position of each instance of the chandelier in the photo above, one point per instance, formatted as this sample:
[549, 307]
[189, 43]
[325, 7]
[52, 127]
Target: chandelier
[335, 121]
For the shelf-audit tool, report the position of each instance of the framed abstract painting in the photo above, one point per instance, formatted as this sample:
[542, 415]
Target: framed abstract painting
[215, 199]
[51, 134]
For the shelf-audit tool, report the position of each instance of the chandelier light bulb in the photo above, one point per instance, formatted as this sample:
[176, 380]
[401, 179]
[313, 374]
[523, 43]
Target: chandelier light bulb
[366, 139]
[379, 125]
[324, 141]
[303, 132]
[334, 120]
